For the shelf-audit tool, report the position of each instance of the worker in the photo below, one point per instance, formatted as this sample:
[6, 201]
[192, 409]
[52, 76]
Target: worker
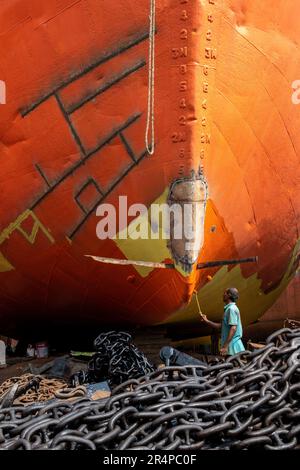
[231, 326]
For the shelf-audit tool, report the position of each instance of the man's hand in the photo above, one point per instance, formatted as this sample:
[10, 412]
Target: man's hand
[215, 326]
[204, 317]
[224, 350]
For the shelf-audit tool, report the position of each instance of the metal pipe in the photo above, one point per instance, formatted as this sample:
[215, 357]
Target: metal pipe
[228, 262]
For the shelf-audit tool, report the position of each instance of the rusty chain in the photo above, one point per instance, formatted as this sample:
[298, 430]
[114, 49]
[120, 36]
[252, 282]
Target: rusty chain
[29, 388]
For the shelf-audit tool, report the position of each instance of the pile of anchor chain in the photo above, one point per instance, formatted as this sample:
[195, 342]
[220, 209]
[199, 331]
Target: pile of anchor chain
[251, 400]
[117, 359]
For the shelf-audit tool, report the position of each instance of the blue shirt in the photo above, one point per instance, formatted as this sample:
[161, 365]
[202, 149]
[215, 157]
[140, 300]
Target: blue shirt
[231, 318]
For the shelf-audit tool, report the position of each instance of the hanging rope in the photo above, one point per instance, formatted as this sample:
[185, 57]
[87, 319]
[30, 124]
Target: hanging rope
[151, 77]
[199, 309]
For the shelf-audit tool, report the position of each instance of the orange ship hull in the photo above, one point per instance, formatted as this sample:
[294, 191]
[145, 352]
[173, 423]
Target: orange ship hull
[72, 136]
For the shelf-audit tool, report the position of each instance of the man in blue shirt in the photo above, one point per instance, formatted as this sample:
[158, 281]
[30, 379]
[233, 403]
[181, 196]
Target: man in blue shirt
[231, 326]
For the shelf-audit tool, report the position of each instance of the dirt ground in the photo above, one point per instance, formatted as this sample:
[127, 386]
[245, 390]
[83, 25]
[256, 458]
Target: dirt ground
[17, 366]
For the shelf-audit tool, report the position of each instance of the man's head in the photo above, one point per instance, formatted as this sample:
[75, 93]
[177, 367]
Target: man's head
[231, 295]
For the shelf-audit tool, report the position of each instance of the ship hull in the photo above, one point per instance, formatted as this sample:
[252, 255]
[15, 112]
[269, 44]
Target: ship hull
[72, 137]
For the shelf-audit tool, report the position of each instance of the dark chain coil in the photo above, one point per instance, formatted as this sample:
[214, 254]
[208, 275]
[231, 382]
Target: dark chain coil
[117, 359]
[251, 400]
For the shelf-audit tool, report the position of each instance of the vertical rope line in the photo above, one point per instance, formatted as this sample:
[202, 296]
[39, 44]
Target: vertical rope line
[151, 82]
[198, 305]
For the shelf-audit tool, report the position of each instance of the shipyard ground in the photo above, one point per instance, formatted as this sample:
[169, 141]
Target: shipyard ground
[148, 340]
[250, 401]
